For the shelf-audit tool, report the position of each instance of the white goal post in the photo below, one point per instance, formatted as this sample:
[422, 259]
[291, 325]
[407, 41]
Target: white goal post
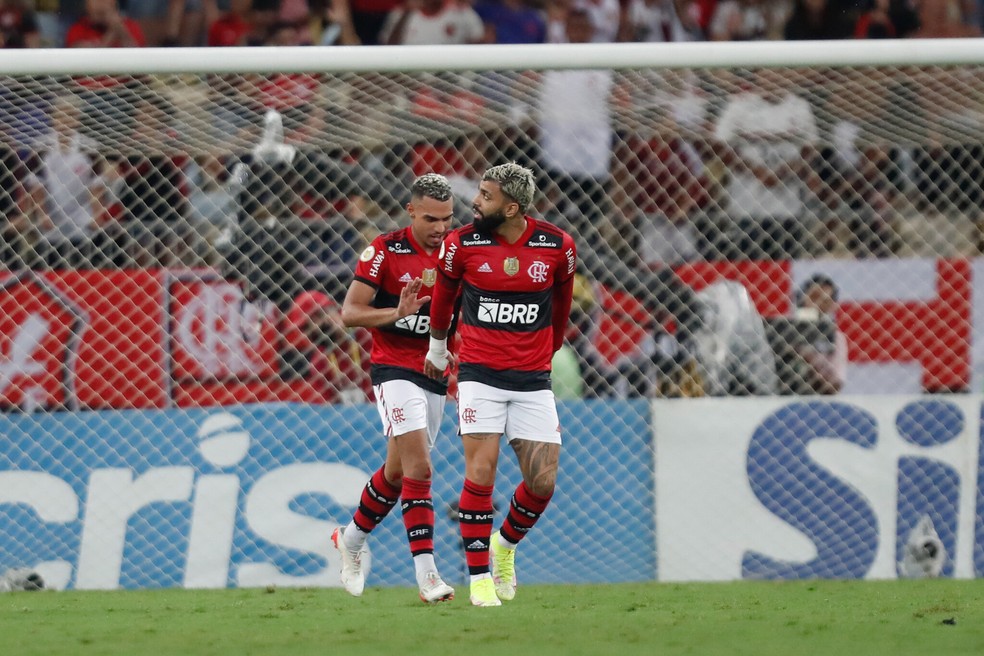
[797, 224]
[394, 59]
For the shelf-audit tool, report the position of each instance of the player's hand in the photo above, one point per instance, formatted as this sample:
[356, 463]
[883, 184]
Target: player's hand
[409, 303]
[437, 360]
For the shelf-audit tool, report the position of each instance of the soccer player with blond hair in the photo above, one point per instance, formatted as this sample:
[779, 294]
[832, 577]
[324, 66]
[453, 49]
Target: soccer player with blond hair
[516, 279]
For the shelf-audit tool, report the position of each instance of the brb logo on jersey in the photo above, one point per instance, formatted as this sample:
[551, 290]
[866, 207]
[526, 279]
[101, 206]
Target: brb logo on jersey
[415, 323]
[490, 311]
[538, 271]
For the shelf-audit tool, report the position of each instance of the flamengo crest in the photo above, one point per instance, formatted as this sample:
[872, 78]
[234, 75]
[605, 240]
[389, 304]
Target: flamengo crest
[538, 271]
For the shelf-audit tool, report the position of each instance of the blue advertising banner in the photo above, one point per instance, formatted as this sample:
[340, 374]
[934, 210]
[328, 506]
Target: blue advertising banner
[851, 487]
[248, 496]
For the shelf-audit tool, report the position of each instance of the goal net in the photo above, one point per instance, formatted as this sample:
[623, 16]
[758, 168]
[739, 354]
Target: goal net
[179, 229]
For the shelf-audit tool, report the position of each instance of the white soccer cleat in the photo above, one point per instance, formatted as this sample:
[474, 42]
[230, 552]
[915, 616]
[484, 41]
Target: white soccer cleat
[502, 562]
[433, 590]
[483, 593]
[353, 578]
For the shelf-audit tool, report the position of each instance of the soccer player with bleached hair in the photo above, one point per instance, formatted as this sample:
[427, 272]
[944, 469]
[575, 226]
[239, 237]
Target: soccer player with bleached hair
[516, 279]
[389, 295]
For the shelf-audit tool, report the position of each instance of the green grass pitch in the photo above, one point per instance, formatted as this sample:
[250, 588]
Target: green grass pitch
[843, 618]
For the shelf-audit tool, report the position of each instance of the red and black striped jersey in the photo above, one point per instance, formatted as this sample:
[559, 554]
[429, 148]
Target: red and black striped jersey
[512, 299]
[388, 264]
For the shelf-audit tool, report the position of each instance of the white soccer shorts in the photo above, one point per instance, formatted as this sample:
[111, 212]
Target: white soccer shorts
[405, 407]
[518, 415]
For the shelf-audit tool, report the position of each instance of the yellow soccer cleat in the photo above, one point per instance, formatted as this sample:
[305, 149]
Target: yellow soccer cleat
[483, 593]
[503, 565]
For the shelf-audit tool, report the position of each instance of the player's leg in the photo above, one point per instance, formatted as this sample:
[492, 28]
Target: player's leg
[379, 496]
[534, 432]
[475, 512]
[481, 417]
[420, 414]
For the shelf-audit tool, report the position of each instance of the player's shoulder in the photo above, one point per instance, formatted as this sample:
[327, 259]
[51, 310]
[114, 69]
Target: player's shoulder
[397, 241]
[468, 236]
[547, 235]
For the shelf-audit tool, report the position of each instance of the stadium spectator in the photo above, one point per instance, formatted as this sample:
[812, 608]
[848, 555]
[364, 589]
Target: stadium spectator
[432, 22]
[516, 276]
[664, 363]
[815, 20]
[607, 19]
[575, 126]
[390, 295]
[103, 26]
[234, 27]
[511, 22]
[49, 23]
[944, 19]
[818, 349]
[17, 233]
[876, 22]
[321, 351]
[211, 201]
[18, 25]
[855, 178]
[333, 26]
[296, 96]
[765, 132]
[887, 19]
[154, 191]
[368, 17]
[555, 16]
[152, 17]
[661, 186]
[108, 100]
[578, 369]
[266, 253]
[746, 20]
[61, 187]
[264, 14]
[660, 21]
[186, 22]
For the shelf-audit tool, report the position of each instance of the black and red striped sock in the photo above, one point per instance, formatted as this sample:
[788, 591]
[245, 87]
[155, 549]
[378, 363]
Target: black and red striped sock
[378, 499]
[418, 515]
[525, 509]
[475, 520]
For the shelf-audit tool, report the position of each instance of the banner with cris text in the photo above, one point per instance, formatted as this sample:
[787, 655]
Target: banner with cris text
[794, 488]
[248, 496]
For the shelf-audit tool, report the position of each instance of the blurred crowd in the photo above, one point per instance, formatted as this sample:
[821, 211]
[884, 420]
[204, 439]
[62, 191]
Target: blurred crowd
[95, 23]
[279, 181]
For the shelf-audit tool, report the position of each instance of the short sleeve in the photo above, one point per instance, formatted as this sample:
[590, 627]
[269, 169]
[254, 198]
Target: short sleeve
[569, 259]
[450, 257]
[371, 264]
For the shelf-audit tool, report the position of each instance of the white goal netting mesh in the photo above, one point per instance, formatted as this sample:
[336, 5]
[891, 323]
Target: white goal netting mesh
[176, 418]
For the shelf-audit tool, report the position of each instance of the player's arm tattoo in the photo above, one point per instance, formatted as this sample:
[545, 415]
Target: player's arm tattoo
[538, 461]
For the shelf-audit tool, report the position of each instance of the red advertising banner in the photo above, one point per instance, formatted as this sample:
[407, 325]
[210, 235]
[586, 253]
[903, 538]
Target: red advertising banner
[153, 339]
[216, 334]
[82, 339]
